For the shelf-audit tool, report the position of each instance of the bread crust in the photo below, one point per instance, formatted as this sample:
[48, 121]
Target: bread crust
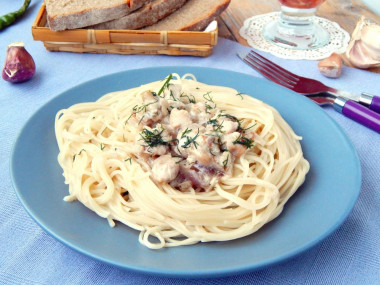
[198, 24]
[148, 15]
[89, 16]
[202, 24]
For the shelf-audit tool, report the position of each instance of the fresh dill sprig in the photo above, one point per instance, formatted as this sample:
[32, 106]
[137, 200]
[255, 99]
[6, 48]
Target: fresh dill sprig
[185, 132]
[166, 84]
[141, 119]
[191, 140]
[233, 118]
[79, 153]
[240, 94]
[248, 143]
[137, 109]
[226, 161]
[172, 96]
[153, 138]
[219, 128]
[208, 97]
[249, 127]
[209, 100]
[191, 99]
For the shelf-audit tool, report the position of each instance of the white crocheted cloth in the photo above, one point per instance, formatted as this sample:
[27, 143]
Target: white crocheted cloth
[251, 31]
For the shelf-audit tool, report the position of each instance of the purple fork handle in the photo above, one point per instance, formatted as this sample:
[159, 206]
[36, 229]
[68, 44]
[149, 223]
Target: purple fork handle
[375, 104]
[371, 101]
[358, 113]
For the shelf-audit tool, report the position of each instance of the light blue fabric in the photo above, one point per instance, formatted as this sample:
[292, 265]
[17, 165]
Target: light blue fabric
[28, 255]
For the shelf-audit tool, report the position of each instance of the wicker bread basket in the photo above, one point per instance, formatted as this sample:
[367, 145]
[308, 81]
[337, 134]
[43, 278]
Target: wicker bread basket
[124, 41]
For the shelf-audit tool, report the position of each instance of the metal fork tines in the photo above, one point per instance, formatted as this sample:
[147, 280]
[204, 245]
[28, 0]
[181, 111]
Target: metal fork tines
[304, 85]
[271, 70]
[342, 101]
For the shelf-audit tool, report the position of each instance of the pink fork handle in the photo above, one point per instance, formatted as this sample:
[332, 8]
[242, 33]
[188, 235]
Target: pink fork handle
[358, 113]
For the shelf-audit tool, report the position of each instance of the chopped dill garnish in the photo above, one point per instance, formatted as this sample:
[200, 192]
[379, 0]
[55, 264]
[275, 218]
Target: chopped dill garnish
[153, 138]
[248, 143]
[129, 159]
[141, 120]
[166, 84]
[79, 153]
[249, 127]
[213, 122]
[208, 97]
[240, 94]
[185, 132]
[209, 107]
[104, 130]
[233, 118]
[102, 146]
[172, 96]
[137, 109]
[226, 161]
[191, 100]
[219, 128]
[190, 141]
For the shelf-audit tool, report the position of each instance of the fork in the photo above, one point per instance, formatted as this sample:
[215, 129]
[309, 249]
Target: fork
[319, 92]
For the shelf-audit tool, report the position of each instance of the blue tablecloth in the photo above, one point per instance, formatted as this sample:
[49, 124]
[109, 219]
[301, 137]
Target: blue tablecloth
[351, 255]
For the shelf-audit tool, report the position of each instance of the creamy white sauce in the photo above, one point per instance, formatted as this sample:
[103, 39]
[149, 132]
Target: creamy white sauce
[188, 143]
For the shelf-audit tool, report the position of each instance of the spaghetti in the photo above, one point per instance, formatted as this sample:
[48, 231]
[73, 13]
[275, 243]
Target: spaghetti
[180, 161]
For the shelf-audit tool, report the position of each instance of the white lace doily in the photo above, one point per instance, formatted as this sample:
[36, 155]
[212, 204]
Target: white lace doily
[253, 26]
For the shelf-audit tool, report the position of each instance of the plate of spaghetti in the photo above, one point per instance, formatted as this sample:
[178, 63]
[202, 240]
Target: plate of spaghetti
[185, 171]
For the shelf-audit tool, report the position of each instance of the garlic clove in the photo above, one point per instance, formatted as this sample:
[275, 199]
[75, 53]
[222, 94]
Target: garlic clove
[370, 38]
[331, 66]
[359, 57]
[19, 65]
[363, 50]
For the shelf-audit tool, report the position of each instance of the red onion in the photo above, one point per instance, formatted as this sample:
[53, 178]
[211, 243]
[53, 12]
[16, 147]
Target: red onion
[19, 65]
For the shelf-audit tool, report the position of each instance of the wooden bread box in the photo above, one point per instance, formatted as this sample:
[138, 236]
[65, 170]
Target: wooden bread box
[124, 41]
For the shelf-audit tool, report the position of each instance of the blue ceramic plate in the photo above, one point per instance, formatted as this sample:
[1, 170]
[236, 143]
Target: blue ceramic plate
[315, 211]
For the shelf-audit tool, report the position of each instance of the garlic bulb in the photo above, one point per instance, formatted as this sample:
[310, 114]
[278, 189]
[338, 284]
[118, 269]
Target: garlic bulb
[363, 51]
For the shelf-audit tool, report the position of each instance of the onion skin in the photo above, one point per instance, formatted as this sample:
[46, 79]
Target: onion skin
[19, 65]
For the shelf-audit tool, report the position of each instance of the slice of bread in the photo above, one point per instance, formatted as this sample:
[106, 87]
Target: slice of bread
[148, 15]
[73, 14]
[195, 15]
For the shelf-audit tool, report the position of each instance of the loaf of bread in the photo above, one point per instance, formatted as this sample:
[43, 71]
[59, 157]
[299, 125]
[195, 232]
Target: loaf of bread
[147, 15]
[73, 14]
[195, 15]
[156, 15]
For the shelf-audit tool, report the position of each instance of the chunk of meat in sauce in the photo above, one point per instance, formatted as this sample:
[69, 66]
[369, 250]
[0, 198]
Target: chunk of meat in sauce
[165, 168]
[179, 118]
[230, 140]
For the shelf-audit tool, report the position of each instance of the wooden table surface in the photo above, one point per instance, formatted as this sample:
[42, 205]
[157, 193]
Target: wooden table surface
[345, 12]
